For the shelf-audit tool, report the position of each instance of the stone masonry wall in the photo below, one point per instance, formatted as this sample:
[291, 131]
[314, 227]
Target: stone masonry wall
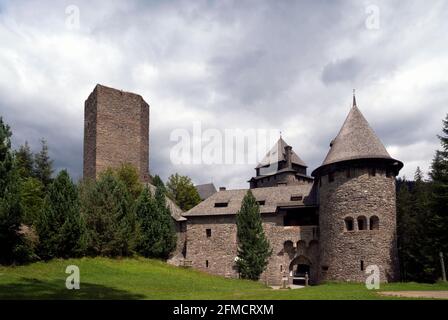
[116, 131]
[342, 251]
[220, 249]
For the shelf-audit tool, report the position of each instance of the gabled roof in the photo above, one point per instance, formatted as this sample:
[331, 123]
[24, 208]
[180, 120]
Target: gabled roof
[272, 196]
[205, 190]
[176, 212]
[355, 140]
[277, 154]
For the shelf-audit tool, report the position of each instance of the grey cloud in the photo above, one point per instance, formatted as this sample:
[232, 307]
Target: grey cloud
[342, 70]
[266, 62]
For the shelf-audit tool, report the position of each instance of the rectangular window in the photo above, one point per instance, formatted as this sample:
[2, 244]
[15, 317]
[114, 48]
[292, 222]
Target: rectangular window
[221, 204]
[331, 177]
[296, 197]
[206, 263]
[208, 232]
[362, 265]
[261, 202]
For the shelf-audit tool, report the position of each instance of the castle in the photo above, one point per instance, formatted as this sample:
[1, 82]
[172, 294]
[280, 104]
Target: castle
[329, 225]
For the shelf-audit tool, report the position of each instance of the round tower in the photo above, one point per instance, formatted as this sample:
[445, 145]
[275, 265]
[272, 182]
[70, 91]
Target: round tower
[357, 204]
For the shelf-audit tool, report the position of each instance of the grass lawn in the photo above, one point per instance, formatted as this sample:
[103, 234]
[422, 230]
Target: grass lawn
[139, 278]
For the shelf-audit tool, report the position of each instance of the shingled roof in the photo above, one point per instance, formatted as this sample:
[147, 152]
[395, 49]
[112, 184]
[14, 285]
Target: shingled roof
[277, 154]
[355, 140]
[273, 198]
[205, 190]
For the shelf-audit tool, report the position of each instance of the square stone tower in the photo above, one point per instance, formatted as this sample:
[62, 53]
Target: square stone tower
[116, 131]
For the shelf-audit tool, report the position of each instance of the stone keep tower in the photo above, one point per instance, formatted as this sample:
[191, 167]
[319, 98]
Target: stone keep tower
[116, 131]
[357, 206]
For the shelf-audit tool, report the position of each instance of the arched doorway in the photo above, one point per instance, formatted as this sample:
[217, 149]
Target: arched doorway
[299, 269]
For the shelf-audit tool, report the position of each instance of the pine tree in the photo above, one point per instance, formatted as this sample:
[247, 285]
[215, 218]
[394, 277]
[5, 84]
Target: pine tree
[110, 220]
[43, 165]
[25, 161]
[253, 247]
[181, 189]
[60, 227]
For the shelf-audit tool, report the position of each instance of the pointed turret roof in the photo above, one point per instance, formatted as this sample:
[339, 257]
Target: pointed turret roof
[355, 140]
[278, 153]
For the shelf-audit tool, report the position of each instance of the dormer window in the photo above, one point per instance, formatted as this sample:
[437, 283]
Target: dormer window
[296, 197]
[221, 204]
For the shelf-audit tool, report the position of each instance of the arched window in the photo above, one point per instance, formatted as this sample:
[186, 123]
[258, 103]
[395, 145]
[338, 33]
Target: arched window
[362, 223]
[374, 223]
[348, 224]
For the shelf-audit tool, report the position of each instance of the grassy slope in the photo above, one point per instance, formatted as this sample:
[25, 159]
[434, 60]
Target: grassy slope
[103, 278]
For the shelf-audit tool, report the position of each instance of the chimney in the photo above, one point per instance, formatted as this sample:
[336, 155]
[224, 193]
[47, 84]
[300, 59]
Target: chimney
[222, 188]
[288, 156]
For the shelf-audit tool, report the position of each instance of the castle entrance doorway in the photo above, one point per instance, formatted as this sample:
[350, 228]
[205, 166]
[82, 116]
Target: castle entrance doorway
[299, 270]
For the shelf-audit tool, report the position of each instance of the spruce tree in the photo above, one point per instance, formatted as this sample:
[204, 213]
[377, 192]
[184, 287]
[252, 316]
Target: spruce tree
[147, 214]
[438, 224]
[166, 242]
[253, 247]
[60, 227]
[25, 161]
[14, 247]
[43, 165]
[110, 220]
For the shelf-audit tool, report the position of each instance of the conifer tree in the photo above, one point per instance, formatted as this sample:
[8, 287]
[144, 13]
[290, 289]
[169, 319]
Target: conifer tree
[149, 243]
[253, 247]
[166, 242]
[14, 247]
[25, 161]
[438, 224]
[60, 227]
[32, 200]
[43, 165]
[110, 220]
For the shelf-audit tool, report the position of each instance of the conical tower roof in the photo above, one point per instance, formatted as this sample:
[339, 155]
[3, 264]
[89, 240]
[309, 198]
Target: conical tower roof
[355, 140]
[278, 153]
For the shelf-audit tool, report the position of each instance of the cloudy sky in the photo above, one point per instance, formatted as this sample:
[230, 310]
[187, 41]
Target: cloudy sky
[280, 65]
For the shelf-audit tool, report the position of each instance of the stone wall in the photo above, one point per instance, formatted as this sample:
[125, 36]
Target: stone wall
[116, 131]
[220, 249]
[286, 178]
[344, 253]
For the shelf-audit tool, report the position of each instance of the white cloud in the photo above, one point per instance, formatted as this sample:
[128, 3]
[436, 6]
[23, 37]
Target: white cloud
[266, 65]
